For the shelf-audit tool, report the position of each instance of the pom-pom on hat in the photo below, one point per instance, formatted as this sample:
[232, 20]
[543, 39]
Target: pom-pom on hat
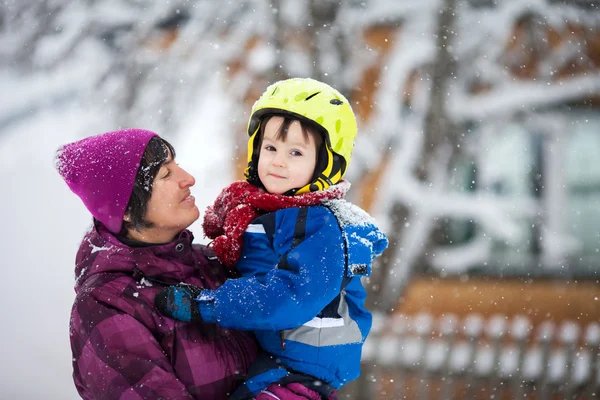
[101, 170]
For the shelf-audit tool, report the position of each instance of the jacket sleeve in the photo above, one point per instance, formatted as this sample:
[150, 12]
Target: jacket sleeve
[305, 279]
[117, 357]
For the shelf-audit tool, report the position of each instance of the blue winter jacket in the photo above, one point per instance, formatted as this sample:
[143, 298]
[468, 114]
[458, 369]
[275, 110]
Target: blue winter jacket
[301, 291]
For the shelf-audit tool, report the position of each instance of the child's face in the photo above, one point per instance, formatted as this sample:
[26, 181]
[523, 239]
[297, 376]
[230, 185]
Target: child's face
[289, 164]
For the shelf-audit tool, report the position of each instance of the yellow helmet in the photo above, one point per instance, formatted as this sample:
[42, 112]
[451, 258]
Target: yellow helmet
[322, 106]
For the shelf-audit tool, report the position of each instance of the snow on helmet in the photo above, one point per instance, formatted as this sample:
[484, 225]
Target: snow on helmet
[321, 106]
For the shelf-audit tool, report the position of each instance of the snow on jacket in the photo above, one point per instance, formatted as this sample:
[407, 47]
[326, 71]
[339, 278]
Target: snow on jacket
[123, 348]
[294, 293]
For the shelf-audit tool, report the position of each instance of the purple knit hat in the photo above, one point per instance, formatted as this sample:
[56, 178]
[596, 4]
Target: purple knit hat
[101, 170]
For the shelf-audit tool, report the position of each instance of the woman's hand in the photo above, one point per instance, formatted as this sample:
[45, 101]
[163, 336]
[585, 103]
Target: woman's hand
[179, 302]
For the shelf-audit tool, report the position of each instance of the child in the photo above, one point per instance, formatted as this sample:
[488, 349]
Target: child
[299, 247]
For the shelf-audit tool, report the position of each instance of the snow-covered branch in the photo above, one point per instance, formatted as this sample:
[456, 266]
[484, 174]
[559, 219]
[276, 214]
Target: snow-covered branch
[521, 96]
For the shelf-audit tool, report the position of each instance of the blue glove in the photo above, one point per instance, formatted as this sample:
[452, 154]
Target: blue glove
[179, 302]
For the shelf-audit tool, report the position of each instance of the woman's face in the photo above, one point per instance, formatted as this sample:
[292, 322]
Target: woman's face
[171, 207]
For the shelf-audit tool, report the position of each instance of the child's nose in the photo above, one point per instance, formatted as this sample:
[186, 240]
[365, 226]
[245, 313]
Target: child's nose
[279, 160]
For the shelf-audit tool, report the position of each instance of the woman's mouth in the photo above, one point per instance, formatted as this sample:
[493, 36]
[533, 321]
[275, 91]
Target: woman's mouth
[189, 199]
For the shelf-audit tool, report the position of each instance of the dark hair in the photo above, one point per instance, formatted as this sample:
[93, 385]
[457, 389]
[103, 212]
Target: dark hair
[308, 130]
[156, 154]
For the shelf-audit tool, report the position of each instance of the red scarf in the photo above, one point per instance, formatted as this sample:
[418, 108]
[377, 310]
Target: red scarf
[241, 202]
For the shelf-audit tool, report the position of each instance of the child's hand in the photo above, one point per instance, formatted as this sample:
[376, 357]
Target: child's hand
[291, 391]
[179, 302]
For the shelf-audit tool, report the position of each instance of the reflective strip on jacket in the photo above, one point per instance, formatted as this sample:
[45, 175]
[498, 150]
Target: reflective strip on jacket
[293, 276]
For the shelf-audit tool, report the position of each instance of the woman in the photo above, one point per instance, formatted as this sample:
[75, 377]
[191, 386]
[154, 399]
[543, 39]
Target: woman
[123, 348]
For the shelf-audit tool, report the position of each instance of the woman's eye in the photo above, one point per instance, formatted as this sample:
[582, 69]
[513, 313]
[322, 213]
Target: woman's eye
[168, 174]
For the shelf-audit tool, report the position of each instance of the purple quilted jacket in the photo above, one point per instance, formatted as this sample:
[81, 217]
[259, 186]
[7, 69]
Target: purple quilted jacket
[123, 348]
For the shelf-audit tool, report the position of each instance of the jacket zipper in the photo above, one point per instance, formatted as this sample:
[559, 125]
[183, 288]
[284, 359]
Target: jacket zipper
[282, 340]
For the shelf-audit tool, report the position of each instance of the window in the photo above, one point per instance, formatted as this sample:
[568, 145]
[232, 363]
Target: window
[553, 163]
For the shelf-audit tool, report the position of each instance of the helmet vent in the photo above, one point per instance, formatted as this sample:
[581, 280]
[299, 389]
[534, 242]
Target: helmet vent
[336, 102]
[311, 96]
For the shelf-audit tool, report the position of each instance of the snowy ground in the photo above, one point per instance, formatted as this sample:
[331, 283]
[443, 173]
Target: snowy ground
[43, 223]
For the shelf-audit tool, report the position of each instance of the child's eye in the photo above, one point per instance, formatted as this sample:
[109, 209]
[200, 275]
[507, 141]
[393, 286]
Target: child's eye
[295, 153]
[269, 148]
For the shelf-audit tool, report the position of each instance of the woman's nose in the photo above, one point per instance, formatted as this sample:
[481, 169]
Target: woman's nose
[187, 180]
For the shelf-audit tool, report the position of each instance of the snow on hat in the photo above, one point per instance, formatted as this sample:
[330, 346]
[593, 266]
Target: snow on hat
[101, 170]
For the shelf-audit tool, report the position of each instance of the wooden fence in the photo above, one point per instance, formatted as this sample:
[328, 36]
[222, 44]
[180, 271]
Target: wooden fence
[421, 357]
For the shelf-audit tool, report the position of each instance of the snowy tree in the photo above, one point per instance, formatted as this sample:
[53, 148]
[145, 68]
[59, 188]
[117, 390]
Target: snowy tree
[447, 78]
[466, 83]
[474, 123]
[140, 62]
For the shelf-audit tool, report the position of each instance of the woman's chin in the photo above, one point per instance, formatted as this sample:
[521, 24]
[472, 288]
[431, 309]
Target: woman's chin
[191, 216]
[185, 220]
[196, 213]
